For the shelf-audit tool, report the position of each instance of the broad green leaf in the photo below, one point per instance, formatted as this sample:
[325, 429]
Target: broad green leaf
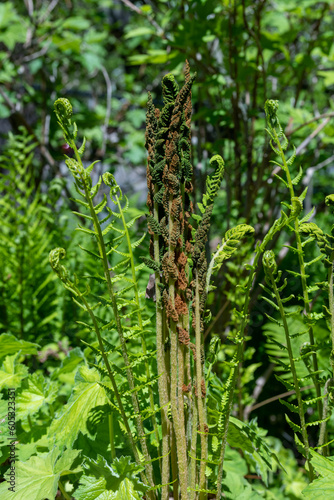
[236, 487]
[37, 478]
[116, 481]
[86, 395]
[322, 487]
[250, 439]
[11, 373]
[34, 393]
[11, 345]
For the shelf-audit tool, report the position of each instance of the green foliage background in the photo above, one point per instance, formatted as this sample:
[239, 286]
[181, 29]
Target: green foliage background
[105, 55]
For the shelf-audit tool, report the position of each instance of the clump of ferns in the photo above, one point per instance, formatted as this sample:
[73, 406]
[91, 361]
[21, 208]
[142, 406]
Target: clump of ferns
[27, 295]
[275, 290]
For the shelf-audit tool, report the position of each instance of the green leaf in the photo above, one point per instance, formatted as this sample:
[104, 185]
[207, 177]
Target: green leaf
[76, 23]
[65, 373]
[322, 487]
[143, 30]
[74, 417]
[11, 373]
[36, 391]
[235, 487]
[10, 345]
[116, 481]
[38, 477]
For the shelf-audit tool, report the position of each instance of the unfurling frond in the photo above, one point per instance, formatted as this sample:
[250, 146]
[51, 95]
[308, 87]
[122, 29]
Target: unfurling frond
[229, 245]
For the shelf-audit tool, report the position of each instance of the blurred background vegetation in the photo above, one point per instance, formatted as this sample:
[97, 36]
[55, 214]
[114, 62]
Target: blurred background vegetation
[105, 55]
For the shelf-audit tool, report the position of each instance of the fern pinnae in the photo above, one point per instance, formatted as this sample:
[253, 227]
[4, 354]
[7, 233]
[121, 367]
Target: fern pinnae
[229, 245]
[55, 256]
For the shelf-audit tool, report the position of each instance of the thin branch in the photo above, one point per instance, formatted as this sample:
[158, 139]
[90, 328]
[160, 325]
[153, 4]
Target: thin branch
[37, 54]
[279, 396]
[30, 7]
[259, 385]
[142, 13]
[314, 119]
[48, 11]
[308, 139]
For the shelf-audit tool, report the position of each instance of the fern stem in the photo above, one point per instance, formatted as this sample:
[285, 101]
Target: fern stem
[162, 370]
[63, 491]
[140, 323]
[193, 447]
[323, 425]
[134, 394]
[175, 396]
[331, 307]
[302, 272]
[294, 375]
[199, 378]
[237, 359]
[111, 435]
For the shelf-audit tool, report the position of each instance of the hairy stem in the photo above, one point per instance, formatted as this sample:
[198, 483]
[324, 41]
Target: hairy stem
[140, 322]
[294, 375]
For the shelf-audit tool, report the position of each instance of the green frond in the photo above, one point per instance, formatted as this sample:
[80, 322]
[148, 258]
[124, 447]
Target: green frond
[151, 263]
[281, 346]
[213, 183]
[294, 427]
[170, 88]
[307, 217]
[309, 402]
[85, 230]
[123, 254]
[290, 161]
[229, 245]
[281, 179]
[132, 221]
[316, 259]
[95, 189]
[108, 228]
[95, 350]
[292, 407]
[296, 179]
[136, 244]
[81, 150]
[275, 306]
[100, 206]
[317, 422]
[286, 299]
[279, 323]
[80, 202]
[88, 217]
[288, 385]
